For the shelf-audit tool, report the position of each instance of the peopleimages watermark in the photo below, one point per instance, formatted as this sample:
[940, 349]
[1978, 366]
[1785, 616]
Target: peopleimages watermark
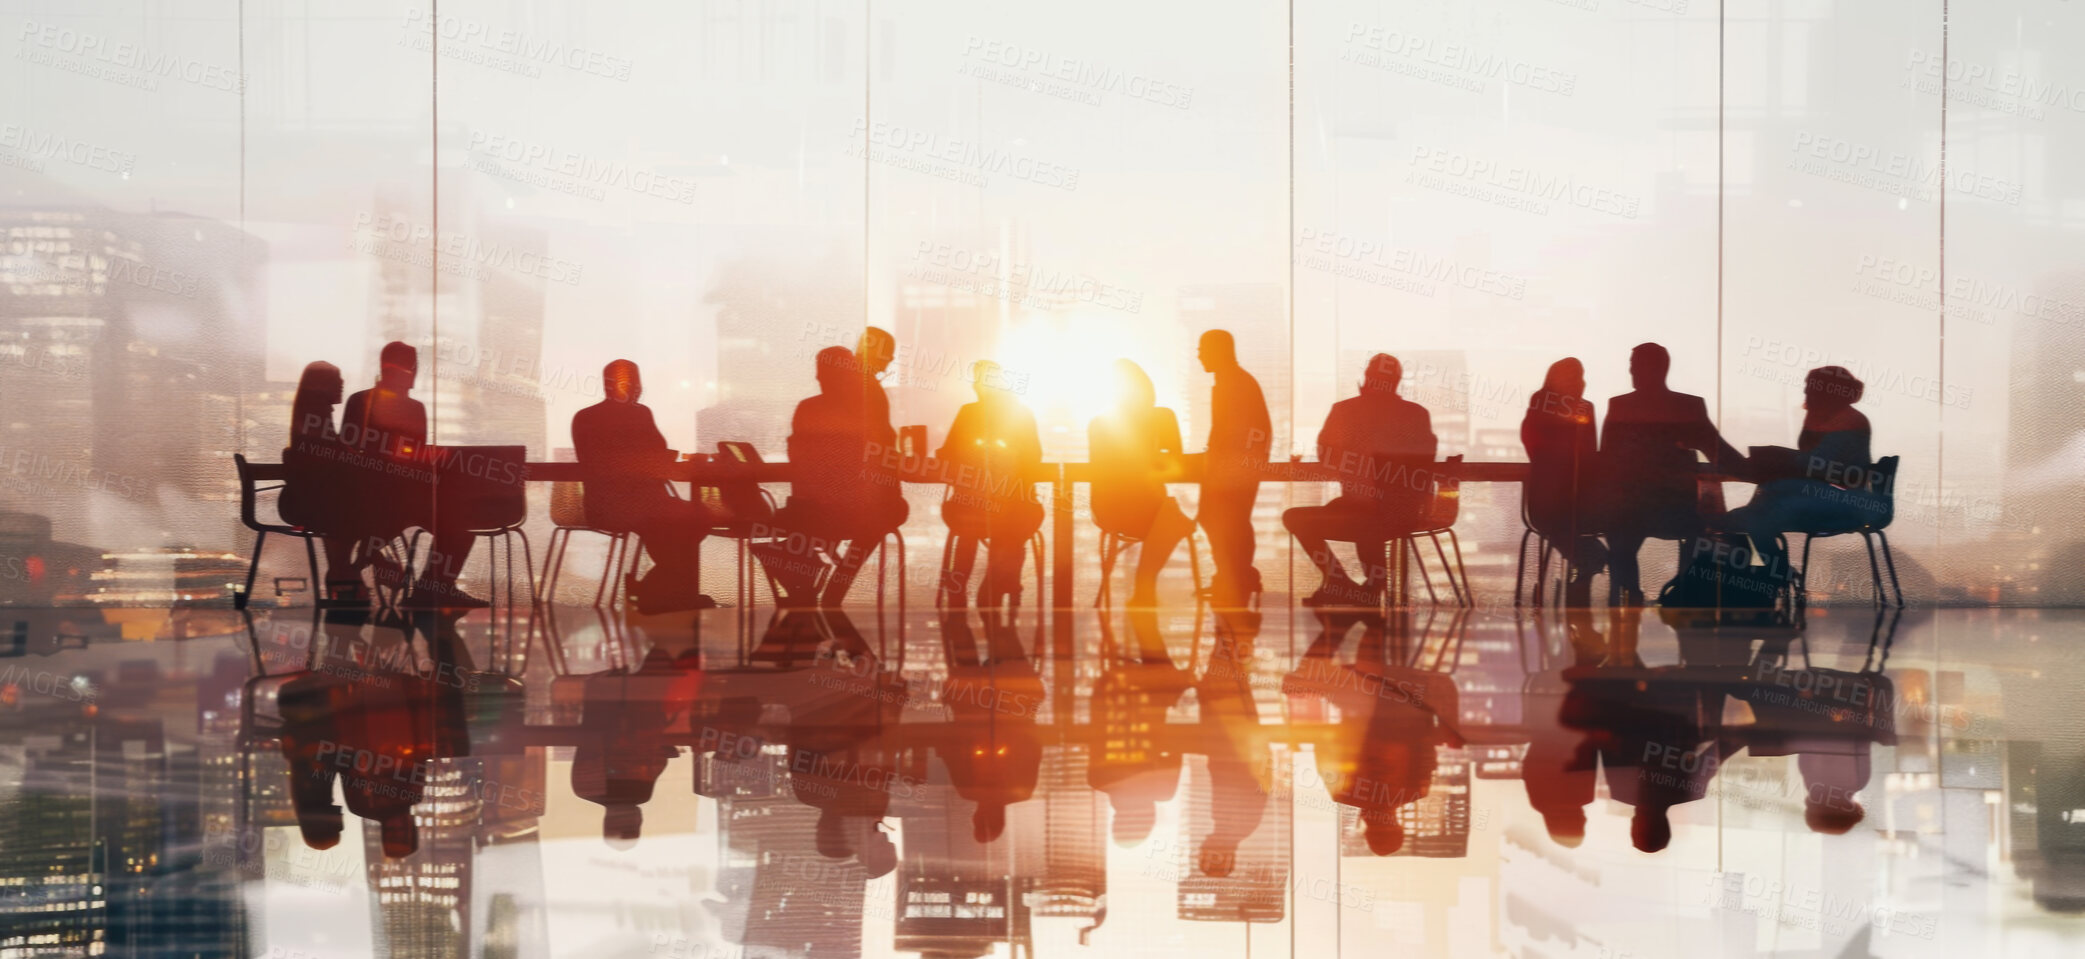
[1789, 362]
[392, 237]
[1511, 185]
[118, 61]
[1893, 172]
[1992, 88]
[1968, 296]
[989, 274]
[964, 161]
[1448, 63]
[512, 51]
[1076, 79]
[909, 365]
[1400, 268]
[1810, 907]
[570, 171]
[29, 148]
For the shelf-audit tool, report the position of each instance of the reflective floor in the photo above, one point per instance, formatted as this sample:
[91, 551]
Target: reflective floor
[1271, 783]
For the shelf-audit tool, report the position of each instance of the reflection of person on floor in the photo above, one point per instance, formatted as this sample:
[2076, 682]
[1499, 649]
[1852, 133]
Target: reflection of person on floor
[1651, 731]
[1135, 765]
[1830, 720]
[838, 761]
[1561, 440]
[836, 495]
[1561, 765]
[623, 749]
[1648, 474]
[1240, 438]
[1382, 754]
[625, 461]
[990, 449]
[387, 424]
[1827, 483]
[1134, 450]
[992, 699]
[1240, 776]
[1382, 446]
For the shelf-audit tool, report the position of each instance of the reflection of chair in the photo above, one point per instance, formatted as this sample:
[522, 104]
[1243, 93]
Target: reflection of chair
[1884, 482]
[568, 516]
[1113, 545]
[948, 560]
[249, 494]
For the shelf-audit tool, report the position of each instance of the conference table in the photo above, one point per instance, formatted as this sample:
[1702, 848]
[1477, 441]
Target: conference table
[705, 470]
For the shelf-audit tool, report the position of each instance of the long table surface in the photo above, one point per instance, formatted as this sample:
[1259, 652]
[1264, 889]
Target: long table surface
[717, 471]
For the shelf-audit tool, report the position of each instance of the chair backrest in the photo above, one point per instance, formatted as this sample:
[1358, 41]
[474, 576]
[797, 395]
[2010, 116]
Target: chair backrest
[1884, 484]
[1447, 494]
[740, 498]
[246, 492]
[568, 503]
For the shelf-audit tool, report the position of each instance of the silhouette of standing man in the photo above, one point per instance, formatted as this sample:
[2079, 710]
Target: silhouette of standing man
[1240, 435]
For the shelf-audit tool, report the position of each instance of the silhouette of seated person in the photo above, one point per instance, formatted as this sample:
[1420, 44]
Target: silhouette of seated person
[623, 748]
[317, 492]
[840, 761]
[1650, 729]
[1827, 483]
[991, 448]
[995, 755]
[1648, 468]
[837, 493]
[626, 464]
[1241, 435]
[1562, 443]
[1135, 450]
[875, 349]
[395, 490]
[1135, 763]
[1380, 756]
[1561, 767]
[1233, 742]
[1381, 445]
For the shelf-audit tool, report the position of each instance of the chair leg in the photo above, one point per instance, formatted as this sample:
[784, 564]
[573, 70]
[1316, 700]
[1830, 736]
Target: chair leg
[948, 555]
[552, 559]
[1039, 549]
[1194, 567]
[1890, 560]
[1411, 543]
[1447, 570]
[1461, 570]
[608, 572]
[1520, 565]
[253, 569]
[1542, 551]
[311, 556]
[1875, 570]
[1107, 569]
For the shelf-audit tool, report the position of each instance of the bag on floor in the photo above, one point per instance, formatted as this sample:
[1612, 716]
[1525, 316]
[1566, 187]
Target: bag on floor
[1742, 578]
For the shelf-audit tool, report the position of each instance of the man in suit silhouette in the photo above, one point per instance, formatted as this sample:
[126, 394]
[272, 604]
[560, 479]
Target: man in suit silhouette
[838, 494]
[386, 424]
[624, 459]
[1240, 435]
[1382, 446]
[1647, 448]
